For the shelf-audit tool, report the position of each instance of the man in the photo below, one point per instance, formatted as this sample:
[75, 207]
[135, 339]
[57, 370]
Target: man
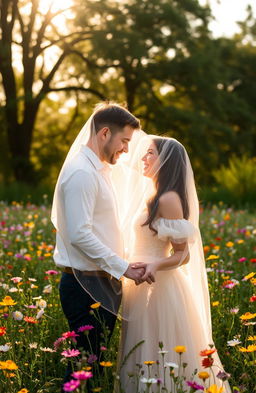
[89, 246]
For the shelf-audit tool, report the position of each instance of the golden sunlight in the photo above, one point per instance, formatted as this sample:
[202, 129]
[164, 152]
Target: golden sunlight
[56, 5]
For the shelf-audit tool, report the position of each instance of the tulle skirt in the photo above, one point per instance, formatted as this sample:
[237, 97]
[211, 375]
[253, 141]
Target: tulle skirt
[163, 312]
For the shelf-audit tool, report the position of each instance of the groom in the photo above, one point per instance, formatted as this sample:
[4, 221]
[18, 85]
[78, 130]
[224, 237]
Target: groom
[88, 239]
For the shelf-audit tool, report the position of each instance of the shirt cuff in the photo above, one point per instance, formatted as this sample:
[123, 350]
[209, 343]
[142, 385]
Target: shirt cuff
[116, 266]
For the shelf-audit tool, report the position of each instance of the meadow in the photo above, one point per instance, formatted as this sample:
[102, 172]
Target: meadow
[34, 337]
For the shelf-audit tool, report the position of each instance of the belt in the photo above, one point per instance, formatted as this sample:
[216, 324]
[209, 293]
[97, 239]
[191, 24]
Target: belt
[99, 273]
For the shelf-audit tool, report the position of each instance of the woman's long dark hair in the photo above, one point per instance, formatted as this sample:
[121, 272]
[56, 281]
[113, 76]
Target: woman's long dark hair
[171, 176]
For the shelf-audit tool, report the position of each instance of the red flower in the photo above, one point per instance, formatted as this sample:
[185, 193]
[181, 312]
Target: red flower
[253, 298]
[253, 260]
[207, 352]
[30, 320]
[207, 362]
[2, 330]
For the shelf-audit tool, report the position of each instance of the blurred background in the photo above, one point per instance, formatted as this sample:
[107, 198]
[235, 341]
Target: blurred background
[186, 68]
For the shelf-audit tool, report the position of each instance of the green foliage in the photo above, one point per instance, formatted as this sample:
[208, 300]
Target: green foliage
[238, 179]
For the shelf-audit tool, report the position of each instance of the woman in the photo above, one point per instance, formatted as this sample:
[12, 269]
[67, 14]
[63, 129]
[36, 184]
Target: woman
[175, 309]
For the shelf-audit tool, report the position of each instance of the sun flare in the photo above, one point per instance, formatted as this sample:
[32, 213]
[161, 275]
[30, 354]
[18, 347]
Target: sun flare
[56, 5]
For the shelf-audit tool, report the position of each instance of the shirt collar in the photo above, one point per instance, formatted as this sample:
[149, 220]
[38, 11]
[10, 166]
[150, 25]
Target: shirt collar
[94, 159]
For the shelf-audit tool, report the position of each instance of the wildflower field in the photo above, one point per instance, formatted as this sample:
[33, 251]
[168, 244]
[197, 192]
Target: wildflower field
[34, 339]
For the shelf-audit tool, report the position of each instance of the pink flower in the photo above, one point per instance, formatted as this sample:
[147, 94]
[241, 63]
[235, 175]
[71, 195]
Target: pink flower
[71, 385]
[194, 385]
[82, 375]
[102, 348]
[243, 259]
[71, 335]
[57, 343]
[69, 353]
[51, 272]
[85, 328]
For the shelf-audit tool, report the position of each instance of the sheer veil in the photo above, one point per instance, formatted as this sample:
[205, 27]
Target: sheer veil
[134, 190]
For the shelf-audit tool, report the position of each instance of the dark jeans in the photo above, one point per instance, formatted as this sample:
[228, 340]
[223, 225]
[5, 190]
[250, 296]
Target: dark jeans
[76, 304]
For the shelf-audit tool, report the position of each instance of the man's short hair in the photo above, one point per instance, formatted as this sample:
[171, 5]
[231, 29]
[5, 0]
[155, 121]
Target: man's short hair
[114, 116]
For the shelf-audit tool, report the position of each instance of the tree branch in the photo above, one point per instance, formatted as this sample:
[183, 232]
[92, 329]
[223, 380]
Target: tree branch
[78, 88]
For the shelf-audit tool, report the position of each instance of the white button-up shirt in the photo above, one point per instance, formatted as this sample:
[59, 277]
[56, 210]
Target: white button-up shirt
[88, 235]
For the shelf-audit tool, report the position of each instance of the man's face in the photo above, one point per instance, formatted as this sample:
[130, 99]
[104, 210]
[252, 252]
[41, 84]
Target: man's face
[117, 144]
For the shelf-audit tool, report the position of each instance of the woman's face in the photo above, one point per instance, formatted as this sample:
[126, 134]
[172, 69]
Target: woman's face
[150, 160]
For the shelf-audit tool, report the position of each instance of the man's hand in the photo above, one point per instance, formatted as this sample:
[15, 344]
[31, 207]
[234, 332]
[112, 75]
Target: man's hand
[135, 272]
[149, 272]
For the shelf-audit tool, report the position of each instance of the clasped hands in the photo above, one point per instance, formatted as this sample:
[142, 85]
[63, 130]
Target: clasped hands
[141, 272]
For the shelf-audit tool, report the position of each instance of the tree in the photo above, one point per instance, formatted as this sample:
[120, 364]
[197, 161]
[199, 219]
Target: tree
[25, 29]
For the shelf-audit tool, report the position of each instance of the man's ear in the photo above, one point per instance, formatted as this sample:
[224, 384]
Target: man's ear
[104, 133]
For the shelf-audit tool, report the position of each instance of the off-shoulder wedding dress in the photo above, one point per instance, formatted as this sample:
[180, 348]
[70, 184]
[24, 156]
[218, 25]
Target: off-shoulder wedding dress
[165, 311]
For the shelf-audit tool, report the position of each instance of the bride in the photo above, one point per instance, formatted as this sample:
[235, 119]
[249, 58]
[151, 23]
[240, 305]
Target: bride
[163, 212]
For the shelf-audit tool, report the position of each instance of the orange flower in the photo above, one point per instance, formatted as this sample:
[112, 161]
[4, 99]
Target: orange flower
[7, 301]
[106, 364]
[214, 389]
[250, 348]
[30, 320]
[23, 391]
[247, 315]
[203, 375]
[96, 305]
[149, 362]
[207, 352]
[8, 365]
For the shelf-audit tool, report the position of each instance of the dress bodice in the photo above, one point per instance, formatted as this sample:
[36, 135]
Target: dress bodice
[148, 244]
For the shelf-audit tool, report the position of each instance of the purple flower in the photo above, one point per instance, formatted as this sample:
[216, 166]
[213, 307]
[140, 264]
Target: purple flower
[223, 375]
[69, 353]
[71, 385]
[194, 385]
[92, 358]
[85, 328]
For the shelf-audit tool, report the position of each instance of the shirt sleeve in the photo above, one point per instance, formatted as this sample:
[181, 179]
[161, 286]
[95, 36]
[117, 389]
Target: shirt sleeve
[80, 193]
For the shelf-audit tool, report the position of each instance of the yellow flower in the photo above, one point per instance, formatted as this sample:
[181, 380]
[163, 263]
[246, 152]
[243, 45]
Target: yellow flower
[149, 362]
[240, 241]
[106, 364]
[214, 389]
[229, 244]
[180, 349]
[212, 256]
[247, 315]
[96, 305]
[214, 304]
[250, 275]
[23, 391]
[250, 348]
[8, 365]
[203, 375]
[252, 338]
[8, 301]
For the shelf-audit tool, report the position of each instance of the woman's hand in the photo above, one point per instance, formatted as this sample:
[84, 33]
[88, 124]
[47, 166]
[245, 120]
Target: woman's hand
[150, 272]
